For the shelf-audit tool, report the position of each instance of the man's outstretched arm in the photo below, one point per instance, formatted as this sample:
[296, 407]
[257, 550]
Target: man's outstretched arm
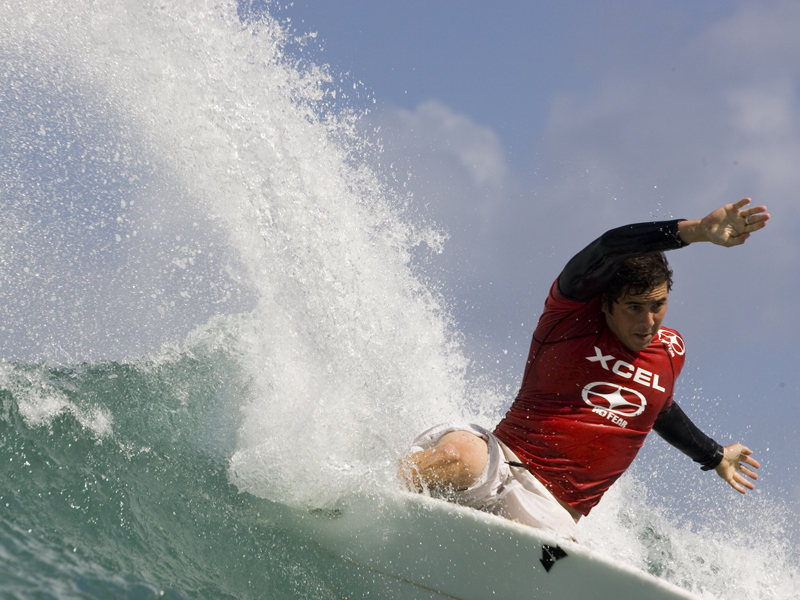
[588, 271]
[731, 463]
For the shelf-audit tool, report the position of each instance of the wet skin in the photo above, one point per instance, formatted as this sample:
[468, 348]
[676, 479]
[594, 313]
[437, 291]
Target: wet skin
[636, 319]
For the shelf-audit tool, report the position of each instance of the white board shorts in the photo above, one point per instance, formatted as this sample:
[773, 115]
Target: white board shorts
[512, 493]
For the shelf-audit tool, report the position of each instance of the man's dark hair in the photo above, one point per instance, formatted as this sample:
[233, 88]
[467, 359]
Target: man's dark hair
[637, 275]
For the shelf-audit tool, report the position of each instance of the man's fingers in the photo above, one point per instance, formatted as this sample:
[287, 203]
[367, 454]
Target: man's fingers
[741, 203]
[741, 481]
[737, 487]
[747, 459]
[740, 484]
[755, 225]
[753, 215]
[753, 221]
[748, 472]
[738, 240]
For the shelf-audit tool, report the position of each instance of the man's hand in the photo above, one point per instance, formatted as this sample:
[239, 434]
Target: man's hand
[734, 466]
[728, 226]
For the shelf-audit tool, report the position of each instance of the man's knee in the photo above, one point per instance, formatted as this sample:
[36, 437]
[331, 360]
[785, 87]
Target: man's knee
[456, 461]
[466, 449]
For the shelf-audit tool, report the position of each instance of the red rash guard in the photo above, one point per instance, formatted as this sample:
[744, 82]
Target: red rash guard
[587, 402]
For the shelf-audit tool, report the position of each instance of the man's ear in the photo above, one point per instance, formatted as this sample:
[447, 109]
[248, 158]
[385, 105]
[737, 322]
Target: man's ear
[605, 307]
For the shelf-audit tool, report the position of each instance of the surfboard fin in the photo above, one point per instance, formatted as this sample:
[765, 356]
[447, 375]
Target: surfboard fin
[550, 554]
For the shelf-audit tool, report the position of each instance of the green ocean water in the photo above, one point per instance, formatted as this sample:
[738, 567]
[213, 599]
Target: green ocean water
[141, 506]
[146, 511]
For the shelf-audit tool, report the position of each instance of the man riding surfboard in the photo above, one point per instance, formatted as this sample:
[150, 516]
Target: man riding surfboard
[600, 375]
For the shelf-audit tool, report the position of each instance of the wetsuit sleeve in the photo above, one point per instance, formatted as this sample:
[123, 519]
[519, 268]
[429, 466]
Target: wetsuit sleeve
[676, 429]
[588, 272]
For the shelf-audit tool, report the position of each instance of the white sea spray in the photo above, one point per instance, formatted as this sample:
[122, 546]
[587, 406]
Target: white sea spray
[39, 401]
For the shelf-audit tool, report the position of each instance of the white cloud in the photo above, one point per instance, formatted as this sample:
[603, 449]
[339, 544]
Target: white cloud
[457, 168]
[475, 147]
[764, 114]
[758, 40]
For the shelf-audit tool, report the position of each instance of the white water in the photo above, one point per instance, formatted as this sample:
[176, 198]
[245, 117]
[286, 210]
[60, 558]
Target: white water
[348, 352]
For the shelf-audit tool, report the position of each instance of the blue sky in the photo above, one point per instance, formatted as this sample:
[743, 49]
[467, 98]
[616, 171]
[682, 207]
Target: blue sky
[500, 64]
[527, 129]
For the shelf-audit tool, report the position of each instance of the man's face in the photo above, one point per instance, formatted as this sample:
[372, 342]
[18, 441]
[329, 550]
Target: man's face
[635, 319]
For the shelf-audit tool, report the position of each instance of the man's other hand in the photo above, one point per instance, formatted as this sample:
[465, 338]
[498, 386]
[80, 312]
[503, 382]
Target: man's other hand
[735, 464]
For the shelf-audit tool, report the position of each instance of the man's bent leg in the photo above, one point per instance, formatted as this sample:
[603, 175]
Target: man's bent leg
[471, 466]
[455, 462]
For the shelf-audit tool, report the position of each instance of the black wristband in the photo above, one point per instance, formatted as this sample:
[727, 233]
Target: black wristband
[678, 430]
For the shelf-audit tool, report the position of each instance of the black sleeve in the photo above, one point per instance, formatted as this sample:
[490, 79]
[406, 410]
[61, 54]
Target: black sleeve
[675, 427]
[587, 273]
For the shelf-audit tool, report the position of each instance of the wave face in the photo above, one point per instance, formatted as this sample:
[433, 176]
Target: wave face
[172, 171]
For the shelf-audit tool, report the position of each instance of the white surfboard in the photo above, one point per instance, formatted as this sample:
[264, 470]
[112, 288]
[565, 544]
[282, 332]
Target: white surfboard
[412, 546]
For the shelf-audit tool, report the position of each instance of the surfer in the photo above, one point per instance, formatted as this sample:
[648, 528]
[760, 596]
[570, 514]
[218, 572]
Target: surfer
[600, 375]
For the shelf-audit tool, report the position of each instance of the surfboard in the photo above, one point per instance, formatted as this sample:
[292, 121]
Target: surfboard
[412, 546]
